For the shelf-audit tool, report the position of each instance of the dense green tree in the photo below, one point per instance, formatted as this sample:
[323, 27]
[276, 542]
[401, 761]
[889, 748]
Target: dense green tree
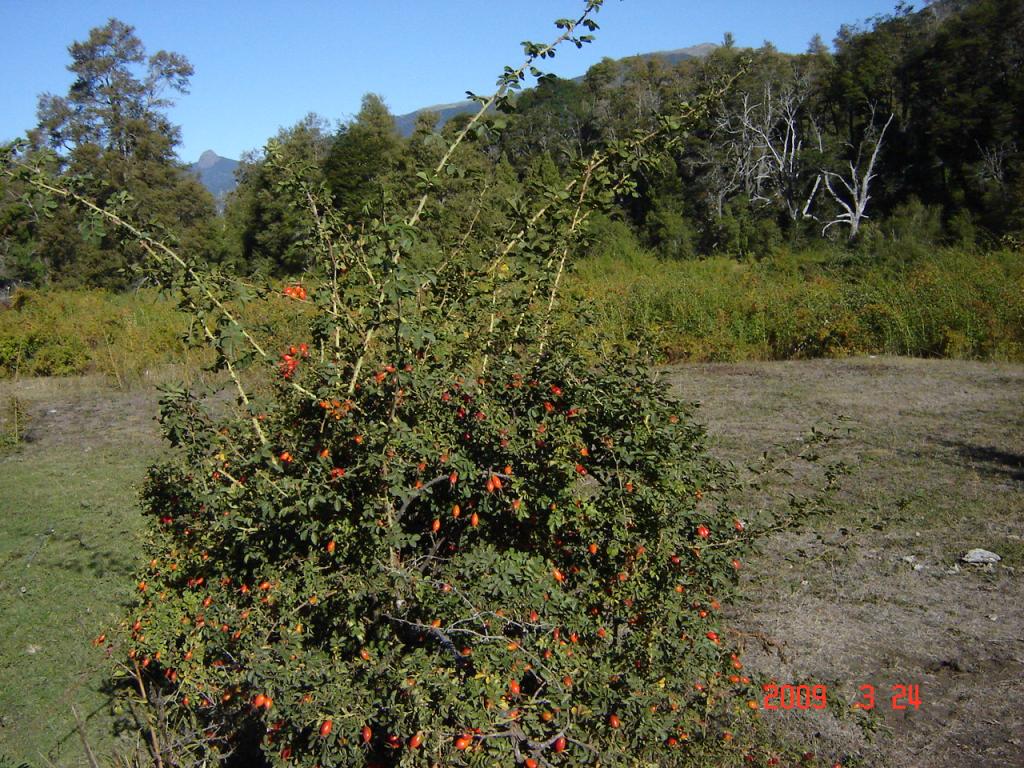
[968, 101]
[952, 76]
[550, 119]
[868, 80]
[474, 197]
[111, 105]
[363, 155]
[20, 217]
[112, 126]
[263, 232]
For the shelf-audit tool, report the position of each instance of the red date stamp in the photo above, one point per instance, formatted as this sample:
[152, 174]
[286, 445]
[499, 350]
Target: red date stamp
[786, 697]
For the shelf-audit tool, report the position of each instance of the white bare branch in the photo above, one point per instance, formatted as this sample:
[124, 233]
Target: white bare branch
[993, 162]
[764, 144]
[855, 193]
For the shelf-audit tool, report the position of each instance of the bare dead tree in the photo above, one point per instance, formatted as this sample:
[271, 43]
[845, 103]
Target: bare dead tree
[992, 168]
[855, 190]
[764, 143]
[720, 179]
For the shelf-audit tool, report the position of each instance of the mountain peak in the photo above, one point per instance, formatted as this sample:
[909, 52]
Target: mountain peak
[208, 159]
[216, 173]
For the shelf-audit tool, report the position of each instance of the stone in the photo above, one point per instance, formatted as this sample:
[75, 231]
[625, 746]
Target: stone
[981, 557]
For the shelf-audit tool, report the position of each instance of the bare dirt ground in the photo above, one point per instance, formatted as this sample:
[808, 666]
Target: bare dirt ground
[874, 594]
[869, 595]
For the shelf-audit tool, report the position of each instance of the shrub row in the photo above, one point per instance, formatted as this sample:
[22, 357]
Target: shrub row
[948, 304]
[122, 336]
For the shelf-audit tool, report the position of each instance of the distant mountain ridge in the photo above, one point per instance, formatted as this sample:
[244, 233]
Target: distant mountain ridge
[216, 173]
[407, 122]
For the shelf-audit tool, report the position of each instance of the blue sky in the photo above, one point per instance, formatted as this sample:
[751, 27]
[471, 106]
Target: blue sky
[261, 65]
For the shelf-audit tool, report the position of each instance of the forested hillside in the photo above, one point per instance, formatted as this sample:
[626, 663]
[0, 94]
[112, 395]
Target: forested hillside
[910, 128]
[427, 494]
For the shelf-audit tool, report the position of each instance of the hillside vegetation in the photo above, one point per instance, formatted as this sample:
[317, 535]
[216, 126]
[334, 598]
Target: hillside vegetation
[907, 132]
[864, 199]
[421, 500]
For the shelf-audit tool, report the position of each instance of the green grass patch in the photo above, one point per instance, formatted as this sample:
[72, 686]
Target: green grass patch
[928, 483]
[69, 541]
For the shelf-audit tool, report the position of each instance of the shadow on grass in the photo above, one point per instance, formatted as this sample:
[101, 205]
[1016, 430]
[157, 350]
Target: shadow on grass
[70, 554]
[990, 460]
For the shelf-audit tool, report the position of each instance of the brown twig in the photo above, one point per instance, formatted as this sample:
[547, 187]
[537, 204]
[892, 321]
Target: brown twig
[150, 726]
[80, 727]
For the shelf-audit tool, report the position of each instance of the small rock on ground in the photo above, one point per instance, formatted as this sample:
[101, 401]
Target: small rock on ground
[981, 557]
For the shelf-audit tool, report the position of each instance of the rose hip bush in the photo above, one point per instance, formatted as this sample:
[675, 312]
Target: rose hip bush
[443, 568]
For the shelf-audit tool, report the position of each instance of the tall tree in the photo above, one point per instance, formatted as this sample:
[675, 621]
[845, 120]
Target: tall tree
[263, 231]
[363, 154]
[112, 104]
[549, 119]
[968, 102]
[851, 190]
[112, 125]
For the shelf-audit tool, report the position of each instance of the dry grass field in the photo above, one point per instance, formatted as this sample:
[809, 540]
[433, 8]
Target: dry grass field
[874, 594]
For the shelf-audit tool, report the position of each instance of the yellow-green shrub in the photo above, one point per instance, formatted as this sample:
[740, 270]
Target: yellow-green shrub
[948, 304]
